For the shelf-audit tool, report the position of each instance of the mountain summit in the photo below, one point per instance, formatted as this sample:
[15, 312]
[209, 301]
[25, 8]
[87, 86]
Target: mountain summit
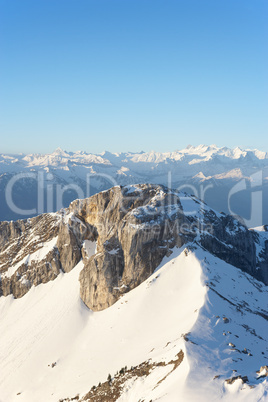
[134, 227]
[136, 293]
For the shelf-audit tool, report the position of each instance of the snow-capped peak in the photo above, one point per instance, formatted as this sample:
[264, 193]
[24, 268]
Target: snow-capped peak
[60, 152]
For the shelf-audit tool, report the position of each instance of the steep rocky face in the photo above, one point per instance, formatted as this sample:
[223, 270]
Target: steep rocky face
[36, 250]
[261, 242]
[134, 228]
[230, 241]
[137, 227]
[262, 273]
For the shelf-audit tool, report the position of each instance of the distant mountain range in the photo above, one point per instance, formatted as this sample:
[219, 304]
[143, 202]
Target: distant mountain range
[35, 183]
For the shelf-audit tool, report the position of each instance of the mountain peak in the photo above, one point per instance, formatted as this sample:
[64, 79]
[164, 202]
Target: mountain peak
[183, 323]
[60, 151]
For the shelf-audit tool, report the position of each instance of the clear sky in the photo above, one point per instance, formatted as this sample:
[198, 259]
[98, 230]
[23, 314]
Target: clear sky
[132, 75]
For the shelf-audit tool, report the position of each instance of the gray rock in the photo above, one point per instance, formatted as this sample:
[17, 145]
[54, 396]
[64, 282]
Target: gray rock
[134, 227]
[21, 239]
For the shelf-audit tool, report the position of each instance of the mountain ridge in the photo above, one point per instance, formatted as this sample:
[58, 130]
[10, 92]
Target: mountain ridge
[33, 184]
[139, 292]
[135, 227]
[194, 305]
[204, 151]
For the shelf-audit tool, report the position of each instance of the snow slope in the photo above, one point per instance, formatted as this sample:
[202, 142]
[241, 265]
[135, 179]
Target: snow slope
[180, 307]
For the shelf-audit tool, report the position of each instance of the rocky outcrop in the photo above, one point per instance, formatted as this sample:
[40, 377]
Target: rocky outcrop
[134, 228]
[261, 241]
[262, 372]
[139, 225]
[36, 250]
[230, 241]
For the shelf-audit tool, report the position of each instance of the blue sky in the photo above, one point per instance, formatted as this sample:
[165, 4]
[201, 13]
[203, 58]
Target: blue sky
[132, 75]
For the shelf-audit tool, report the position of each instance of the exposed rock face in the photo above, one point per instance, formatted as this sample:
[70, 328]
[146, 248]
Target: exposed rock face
[230, 241]
[263, 372]
[261, 241]
[138, 225]
[134, 227]
[36, 250]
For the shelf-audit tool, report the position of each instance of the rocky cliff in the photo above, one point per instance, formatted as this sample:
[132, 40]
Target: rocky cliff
[134, 228]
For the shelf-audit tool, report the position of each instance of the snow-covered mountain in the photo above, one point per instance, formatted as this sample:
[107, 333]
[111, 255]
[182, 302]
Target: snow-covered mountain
[176, 310]
[190, 155]
[195, 323]
[43, 183]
